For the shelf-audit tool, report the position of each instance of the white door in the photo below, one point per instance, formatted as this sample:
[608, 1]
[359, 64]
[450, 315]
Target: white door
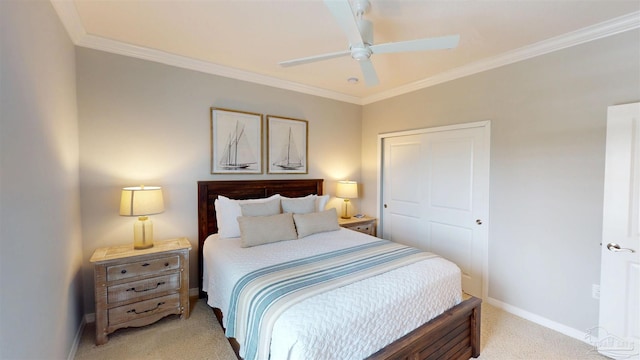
[435, 186]
[403, 175]
[619, 331]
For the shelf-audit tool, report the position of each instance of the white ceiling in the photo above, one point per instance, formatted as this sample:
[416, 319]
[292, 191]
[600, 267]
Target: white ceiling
[245, 39]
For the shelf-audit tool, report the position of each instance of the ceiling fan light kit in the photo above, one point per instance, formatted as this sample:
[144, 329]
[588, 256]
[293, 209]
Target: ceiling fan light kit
[359, 32]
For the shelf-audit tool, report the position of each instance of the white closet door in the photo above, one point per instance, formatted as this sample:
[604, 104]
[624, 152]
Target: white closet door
[455, 200]
[435, 192]
[404, 171]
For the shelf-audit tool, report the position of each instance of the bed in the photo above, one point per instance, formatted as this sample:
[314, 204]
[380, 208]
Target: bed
[453, 334]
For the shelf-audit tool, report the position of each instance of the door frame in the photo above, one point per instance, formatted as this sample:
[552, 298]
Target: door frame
[486, 124]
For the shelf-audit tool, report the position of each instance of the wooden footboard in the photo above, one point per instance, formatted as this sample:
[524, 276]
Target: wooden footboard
[455, 334]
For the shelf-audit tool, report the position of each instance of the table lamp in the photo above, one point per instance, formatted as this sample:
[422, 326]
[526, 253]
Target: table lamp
[346, 190]
[142, 201]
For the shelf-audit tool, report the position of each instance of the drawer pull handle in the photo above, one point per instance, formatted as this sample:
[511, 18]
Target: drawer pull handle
[166, 264]
[123, 272]
[146, 311]
[145, 264]
[153, 288]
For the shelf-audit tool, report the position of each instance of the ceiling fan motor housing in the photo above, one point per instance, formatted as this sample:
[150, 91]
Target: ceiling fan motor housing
[360, 53]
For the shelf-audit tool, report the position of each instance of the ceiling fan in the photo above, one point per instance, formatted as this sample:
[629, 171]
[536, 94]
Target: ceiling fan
[360, 35]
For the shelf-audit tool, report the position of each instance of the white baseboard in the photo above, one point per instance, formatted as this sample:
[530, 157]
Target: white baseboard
[563, 329]
[76, 340]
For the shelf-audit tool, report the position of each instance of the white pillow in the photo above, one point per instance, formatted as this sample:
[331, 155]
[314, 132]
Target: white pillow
[258, 230]
[321, 202]
[228, 211]
[302, 205]
[308, 224]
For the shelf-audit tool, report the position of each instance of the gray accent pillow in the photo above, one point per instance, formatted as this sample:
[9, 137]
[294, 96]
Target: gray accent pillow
[267, 208]
[227, 212]
[308, 224]
[302, 205]
[258, 230]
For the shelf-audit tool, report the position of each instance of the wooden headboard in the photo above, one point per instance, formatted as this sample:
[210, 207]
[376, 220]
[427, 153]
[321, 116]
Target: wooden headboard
[208, 192]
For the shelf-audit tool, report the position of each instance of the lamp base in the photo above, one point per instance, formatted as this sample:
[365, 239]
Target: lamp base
[142, 233]
[345, 213]
[142, 247]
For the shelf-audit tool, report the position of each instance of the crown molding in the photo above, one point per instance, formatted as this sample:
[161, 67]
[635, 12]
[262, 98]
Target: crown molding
[611, 27]
[70, 18]
[117, 47]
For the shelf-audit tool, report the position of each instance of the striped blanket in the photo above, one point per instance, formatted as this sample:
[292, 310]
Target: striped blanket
[259, 297]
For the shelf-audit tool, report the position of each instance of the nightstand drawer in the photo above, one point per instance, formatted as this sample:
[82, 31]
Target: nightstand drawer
[142, 288]
[141, 268]
[143, 309]
[367, 229]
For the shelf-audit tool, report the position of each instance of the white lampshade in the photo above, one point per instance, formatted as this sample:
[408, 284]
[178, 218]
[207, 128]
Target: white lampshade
[347, 189]
[141, 200]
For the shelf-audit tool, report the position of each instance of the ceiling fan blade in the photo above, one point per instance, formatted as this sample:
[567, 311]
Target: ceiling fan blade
[310, 59]
[342, 12]
[438, 43]
[370, 76]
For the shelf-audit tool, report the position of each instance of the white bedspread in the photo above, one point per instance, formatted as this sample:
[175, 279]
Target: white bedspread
[350, 322]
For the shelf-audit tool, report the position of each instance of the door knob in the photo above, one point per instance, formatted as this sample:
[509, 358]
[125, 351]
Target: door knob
[479, 222]
[385, 206]
[616, 248]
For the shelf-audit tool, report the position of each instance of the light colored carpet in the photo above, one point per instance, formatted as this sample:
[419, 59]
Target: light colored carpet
[198, 337]
[509, 337]
[504, 336]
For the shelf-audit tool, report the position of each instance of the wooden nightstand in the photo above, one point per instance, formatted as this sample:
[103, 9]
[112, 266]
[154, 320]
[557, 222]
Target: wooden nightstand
[365, 224]
[139, 287]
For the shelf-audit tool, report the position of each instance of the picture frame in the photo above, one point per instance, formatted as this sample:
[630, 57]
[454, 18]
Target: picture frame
[236, 142]
[287, 145]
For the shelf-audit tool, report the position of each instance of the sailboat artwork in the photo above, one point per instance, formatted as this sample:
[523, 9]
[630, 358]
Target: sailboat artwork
[287, 139]
[290, 158]
[236, 142]
[237, 153]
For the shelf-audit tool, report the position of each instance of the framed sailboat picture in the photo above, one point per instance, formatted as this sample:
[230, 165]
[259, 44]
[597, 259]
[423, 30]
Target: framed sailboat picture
[236, 142]
[287, 145]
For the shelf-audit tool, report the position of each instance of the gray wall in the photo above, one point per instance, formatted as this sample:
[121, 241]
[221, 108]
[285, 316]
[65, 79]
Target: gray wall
[40, 245]
[146, 123]
[548, 122]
